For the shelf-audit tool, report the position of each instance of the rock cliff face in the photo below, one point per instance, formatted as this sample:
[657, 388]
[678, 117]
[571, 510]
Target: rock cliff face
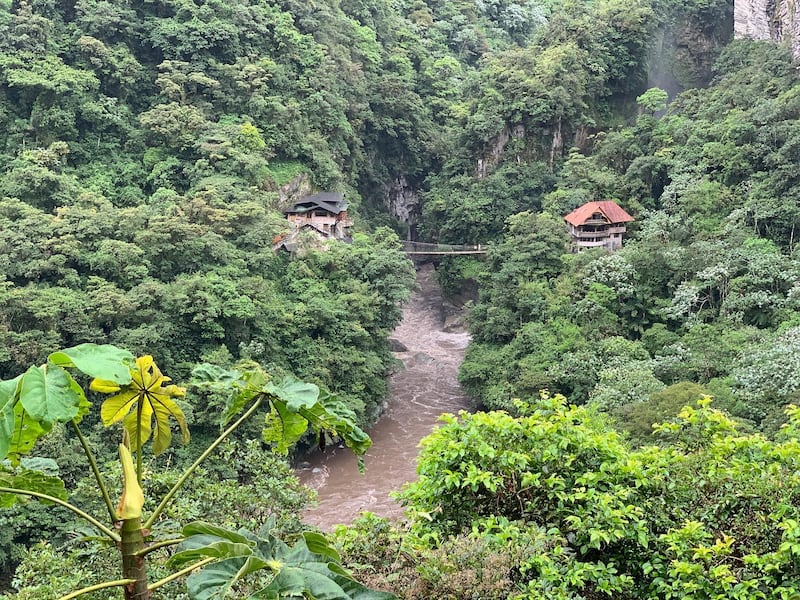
[295, 190]
[685, 48]
[776, 20]
[403, 202]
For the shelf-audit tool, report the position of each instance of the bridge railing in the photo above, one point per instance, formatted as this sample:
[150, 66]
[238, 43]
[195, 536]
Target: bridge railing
[431, 248]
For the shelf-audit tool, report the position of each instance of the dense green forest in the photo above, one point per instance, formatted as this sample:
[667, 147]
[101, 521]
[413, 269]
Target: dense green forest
[702, 300]
[148, 149]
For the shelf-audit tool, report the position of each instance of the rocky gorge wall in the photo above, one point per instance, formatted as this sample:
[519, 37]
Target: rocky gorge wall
[775, 20]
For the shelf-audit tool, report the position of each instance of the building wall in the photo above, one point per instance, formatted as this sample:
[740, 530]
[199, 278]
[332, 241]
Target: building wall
[610, 237]
[336, 226]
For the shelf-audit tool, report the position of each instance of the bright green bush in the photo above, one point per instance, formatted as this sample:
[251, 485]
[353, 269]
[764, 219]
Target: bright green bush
[713, 514]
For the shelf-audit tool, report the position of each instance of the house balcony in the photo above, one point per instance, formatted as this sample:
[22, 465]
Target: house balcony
[608, 232]
[592, 244]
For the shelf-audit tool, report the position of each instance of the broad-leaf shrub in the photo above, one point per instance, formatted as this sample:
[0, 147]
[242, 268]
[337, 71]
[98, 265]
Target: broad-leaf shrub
[713, 514]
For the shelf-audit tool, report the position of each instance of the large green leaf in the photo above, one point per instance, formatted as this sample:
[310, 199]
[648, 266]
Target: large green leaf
[30, 480]
[297, 394]
[310, 569]
[306, 574]
[282, 428]
[8, 397]
[215, 581]
[27, 431]
[102, 361]
[331, 415]
[47, 394]
[323, 411]
[295, 405]
[207, 375]
[204, 540]
[242, 386]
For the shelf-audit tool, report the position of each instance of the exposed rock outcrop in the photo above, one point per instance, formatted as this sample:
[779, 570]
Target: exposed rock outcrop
[403, 201]
[684, 49]
[775, 20]
[298, 188]
[497, 149]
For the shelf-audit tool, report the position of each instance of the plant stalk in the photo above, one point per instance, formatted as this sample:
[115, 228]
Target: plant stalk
[100, 483]
[158, 545]
[181, 573]
[86, 516]
[94, 588]
[182, 479]
[134, 566]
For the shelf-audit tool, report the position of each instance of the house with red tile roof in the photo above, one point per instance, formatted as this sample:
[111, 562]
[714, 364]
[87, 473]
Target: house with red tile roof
[597, 225]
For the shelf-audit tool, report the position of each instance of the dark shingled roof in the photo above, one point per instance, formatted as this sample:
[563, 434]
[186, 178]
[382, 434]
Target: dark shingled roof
[609, 209]
[333, 202]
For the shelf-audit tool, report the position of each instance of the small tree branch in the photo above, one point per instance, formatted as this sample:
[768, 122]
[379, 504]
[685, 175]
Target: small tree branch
[86, 516]
[100, 483]
[181, 573]
[182, 479]
[158, 546]
[99, 586]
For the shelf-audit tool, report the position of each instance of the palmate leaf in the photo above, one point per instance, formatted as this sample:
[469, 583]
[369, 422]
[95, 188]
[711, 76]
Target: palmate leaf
[50, 395]
[304, 574]
[309, 569]
[294, 406]
[243, 385]
[199, 535]
[297, 394]
[95, 360]
[142, 402]
[282, 428]
[234, 550]
[216, 580]
[323, 411]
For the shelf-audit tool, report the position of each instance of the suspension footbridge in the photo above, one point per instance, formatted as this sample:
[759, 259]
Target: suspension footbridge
[422, 249]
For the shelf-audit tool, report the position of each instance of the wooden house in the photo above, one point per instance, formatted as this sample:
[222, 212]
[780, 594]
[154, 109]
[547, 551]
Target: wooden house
[597, 225]
[324, 213]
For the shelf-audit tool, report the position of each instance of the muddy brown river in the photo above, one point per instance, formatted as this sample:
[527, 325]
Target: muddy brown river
[419, 393]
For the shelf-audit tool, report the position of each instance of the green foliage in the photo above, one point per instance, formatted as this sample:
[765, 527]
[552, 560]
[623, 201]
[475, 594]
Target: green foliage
[639, 416]
[308, 568]
[580, 514]
[141, 399]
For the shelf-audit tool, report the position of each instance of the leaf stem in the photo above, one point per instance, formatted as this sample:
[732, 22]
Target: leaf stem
[67, 505]
[99, 586]
[157, 546]
[139, 439]
[100, 483]
[182, 479]
[181, 573]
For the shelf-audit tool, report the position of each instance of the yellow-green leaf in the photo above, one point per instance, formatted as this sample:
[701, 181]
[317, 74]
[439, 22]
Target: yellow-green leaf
[141, 425]
[115, 409]
[104, 386]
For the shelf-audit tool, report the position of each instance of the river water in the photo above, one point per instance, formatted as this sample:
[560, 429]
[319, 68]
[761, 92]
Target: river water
[419, 393]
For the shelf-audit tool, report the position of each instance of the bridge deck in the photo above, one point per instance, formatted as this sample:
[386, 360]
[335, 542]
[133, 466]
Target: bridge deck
[427, 252]
[429, 249]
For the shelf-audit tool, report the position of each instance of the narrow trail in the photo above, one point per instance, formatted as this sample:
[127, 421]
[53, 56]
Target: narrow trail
[419, 393]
